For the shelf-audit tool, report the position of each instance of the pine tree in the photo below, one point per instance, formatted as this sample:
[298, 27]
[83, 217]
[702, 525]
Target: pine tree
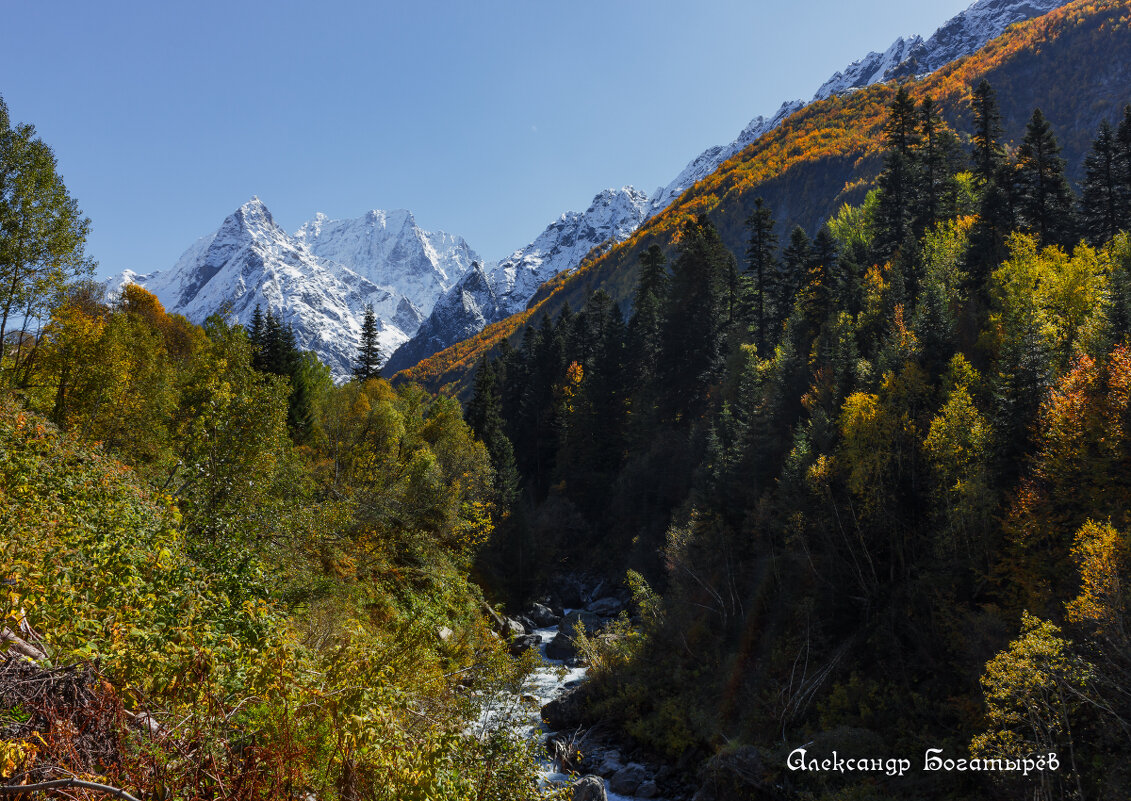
[368, 364]
[1100, 203]
[762, 268]
[1044, 199]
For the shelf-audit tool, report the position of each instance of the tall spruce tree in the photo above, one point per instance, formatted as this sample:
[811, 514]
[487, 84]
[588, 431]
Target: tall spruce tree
[987, 153]
[897, 181]
[695, 330]
[937, 160]
[795, 263]
[484, 415]
[1101, 201]
[994, 177]
[1123, 167]
[761, 267]
[1045, 203]
[368, 363]
[647, 316]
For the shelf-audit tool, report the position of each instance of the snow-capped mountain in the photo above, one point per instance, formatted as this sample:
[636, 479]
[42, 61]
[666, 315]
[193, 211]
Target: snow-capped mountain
[960, 36]
[389, 249]
[319, 280]
[424, 288]
[488, 293]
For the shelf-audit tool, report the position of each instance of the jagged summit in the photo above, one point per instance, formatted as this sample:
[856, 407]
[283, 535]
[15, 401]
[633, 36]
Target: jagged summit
[423, 285]
[319, 280]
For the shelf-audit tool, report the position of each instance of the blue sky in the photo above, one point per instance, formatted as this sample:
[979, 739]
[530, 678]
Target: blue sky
[486, 119]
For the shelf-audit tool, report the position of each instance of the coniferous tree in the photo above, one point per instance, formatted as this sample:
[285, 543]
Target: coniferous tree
[695, 320]
[1044, 199]
[795, 263]
[762, 267]
[255, 334]
[368, 363]
[1101, 201]
[936, 162]
[987, 153]
[994, 176]
[647, 322]
[484, 415]
[1123, 167]
[896, 182]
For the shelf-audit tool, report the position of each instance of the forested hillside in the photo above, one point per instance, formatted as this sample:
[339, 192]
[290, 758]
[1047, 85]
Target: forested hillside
[1072, 63]
[871, 487]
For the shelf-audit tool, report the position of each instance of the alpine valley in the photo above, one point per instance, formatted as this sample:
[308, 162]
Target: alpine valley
[431, 290]
[805, 477]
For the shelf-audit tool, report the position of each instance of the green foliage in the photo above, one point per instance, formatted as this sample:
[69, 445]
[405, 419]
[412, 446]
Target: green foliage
[42, 240]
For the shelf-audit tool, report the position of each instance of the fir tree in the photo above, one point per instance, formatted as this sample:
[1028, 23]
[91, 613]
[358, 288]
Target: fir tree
[1101, 201]
[255, 334]
[368, 351]
[796, 260]
[896, 182]
[934, 191]
[1044, 199]
[484, 415]
[1123, 168]
[695, 329]
[994, 175]
[762, 268]
[987, 152]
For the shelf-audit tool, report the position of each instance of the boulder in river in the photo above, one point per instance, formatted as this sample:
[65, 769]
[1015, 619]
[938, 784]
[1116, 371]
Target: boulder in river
[588, 788]
[605, 607]
[567, 711]
[542, 616]
[647, 789]
[563, 646]
[524, 643]
[626, 780]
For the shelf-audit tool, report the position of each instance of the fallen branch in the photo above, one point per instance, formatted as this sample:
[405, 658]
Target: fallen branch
[60, 784]
[21, 645]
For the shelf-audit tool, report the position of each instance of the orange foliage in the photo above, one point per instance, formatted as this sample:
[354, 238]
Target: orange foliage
[844, 127]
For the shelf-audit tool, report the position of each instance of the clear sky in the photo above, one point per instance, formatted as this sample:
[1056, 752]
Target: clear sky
[485, 118]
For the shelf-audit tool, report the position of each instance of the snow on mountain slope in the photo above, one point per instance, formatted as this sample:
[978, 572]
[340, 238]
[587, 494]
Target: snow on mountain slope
[251, 261]
[390, 250]
[960, 36]
[869, 70]
[423, 286]
[488, 294]
[709, 160]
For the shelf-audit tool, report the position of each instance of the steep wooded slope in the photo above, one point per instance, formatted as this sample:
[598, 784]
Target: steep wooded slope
[1074, 63]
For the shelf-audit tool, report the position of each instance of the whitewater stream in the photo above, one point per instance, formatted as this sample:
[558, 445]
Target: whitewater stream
[545, 684]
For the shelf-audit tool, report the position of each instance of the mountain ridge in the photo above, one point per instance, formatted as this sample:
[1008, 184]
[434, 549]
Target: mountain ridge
[831, 149]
